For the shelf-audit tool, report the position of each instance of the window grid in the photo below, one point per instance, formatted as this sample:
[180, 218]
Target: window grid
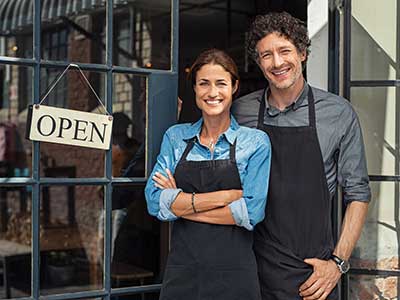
[346, 7]
[108, 181]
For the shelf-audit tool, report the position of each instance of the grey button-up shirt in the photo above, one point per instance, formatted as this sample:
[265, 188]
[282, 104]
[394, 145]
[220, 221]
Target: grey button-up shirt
[338, 131]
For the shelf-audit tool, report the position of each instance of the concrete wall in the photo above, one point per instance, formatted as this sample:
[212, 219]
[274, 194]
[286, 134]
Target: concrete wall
[317, 66]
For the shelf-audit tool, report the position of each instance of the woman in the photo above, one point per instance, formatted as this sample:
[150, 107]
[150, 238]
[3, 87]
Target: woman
[217, 193]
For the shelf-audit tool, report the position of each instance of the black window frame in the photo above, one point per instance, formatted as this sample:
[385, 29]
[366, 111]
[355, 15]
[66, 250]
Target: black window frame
[161, 112]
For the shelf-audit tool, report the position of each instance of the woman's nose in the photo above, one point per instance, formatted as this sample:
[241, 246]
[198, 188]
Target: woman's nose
[213, 91]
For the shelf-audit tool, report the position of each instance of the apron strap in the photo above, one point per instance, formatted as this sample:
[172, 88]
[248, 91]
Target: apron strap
[189, 147]
[232, 152]
[261, 110]
[311, 108]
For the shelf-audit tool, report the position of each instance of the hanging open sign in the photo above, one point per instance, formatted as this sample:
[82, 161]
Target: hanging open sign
[69, 127]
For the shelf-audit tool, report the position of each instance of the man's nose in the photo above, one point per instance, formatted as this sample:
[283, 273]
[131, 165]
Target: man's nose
[277, 60]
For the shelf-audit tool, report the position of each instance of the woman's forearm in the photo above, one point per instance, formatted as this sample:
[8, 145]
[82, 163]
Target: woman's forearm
[182, 204]
[221, 216]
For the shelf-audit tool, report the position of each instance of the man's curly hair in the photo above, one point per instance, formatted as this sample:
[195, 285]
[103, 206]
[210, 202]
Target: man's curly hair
[282, 23]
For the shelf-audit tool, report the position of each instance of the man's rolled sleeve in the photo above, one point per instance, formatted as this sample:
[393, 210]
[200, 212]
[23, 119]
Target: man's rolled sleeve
[240, 213]
[167, 197]
[352, 165]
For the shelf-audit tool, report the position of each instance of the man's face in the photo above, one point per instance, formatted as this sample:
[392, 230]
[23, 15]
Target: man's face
[280, 61]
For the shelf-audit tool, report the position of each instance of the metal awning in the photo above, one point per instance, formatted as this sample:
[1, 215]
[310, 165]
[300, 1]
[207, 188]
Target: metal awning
[16, 16]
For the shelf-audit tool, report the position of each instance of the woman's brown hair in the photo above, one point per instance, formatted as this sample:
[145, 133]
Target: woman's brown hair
[216, 57]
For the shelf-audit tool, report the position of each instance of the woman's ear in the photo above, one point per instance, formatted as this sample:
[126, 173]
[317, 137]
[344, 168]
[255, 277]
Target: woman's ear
[235, 87]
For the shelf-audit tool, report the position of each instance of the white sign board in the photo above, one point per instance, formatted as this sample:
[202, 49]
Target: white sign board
[69, 127]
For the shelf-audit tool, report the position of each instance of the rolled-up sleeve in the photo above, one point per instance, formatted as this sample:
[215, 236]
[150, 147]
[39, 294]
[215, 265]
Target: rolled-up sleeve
[352, 166]
[158, 200]
[240, 213]
[250, 209]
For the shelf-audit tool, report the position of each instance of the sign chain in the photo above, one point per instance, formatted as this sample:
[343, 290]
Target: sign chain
[84, 77]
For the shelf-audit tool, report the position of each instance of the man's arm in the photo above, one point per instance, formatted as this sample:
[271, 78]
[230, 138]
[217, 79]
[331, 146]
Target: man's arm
[326, 273]
[353, 178]
[353, 222]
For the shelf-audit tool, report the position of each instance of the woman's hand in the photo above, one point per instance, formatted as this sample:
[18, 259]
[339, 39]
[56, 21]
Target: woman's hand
[163, 182]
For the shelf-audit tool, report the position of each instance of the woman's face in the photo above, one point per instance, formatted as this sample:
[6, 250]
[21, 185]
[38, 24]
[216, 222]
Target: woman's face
[214, 90]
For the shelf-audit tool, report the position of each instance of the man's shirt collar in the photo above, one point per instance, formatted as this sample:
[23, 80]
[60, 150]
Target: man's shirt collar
[301, 99]
[194, 131]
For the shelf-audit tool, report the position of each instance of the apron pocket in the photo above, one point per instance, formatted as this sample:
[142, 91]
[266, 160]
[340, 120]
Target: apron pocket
[179, 283]
[229, 284]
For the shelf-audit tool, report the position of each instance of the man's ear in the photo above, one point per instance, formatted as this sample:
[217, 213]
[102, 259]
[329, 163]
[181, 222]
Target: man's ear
[303, 55]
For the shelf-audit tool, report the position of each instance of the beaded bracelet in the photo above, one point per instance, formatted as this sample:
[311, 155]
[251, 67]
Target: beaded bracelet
[194, 209]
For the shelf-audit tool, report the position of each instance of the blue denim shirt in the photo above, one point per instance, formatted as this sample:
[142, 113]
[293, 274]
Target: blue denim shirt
[253, 158]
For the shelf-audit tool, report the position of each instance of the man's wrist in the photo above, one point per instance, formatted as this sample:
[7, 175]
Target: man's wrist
[342, 264]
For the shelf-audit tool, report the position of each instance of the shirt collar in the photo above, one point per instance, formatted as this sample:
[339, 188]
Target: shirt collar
[194, 131]
[301, 99]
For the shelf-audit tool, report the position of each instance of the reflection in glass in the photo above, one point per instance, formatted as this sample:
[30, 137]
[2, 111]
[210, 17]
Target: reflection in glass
[71, 239]
[72, 92]
[138, 240]
[15, 241]
[378, 247]
[364, 287]
[377, 109]
[128, 136]
[16, 19]
[138, 296]
[15, 97]
[142, 34]
[374, 40]
[73, 31]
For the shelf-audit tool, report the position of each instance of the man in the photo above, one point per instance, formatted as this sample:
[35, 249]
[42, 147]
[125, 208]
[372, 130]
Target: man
[317, 144]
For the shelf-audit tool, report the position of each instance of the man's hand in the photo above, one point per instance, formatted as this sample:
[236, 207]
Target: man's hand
[322, 281]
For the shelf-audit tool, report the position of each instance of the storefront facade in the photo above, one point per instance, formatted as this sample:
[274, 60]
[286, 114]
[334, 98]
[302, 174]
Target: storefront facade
[73, 221]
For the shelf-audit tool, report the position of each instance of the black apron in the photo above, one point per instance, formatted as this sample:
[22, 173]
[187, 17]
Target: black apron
[297, 224]
[206, 261]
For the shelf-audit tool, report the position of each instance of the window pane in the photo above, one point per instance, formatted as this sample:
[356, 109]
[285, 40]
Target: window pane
[16, 19]
[378, 247]
[15, 241]
[374, 40]
[15, 97]
[378, 111]
[139, 241]
[140, 296]
[364, 287]
[73, 31]
[73, 93]
[142, 33]
[71, 239]
[129, 127]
